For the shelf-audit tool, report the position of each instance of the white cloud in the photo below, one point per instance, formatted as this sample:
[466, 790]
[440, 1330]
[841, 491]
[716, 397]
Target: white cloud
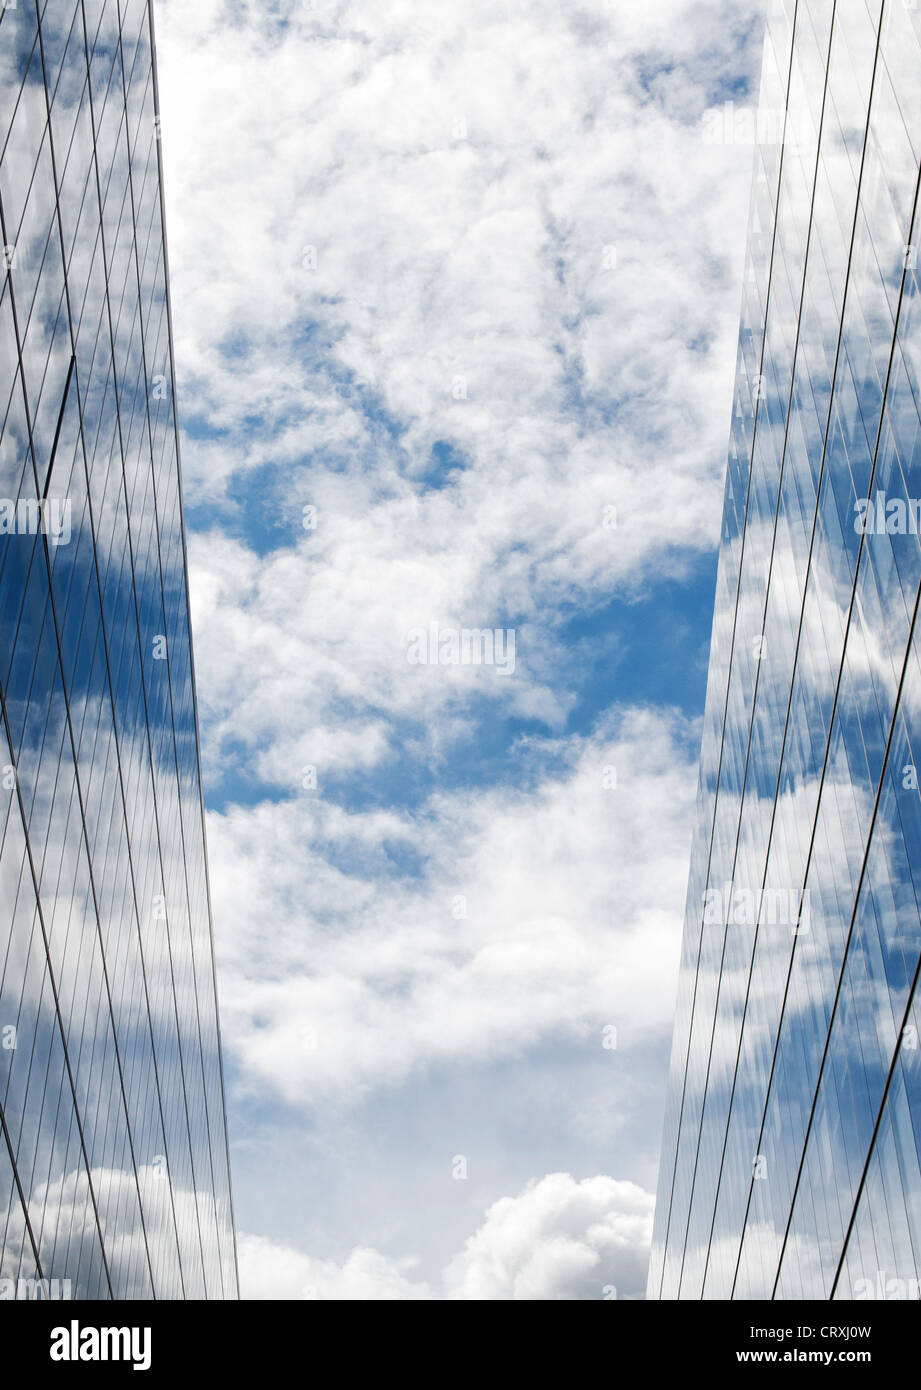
[555, 911]
[462, 174]
[463, 278]
[270, 1270]
[558, 1239]
[526, 255]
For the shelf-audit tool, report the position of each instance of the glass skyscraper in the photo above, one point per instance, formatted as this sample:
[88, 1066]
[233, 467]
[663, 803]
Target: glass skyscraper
[790, 1165]
[114, 1177]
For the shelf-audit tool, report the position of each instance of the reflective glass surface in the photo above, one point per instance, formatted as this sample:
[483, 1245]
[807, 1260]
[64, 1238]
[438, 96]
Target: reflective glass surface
[790, 1163]
[114, 1177]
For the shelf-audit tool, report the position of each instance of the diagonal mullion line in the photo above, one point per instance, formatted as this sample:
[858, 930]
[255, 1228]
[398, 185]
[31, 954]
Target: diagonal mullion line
[21, 1194]
[40, 858]
[156, 521]
[879, 792]
[732, 646]
[25, 826]
[149, 741]
[7, 1137]
[69, 721]
[168, 676]
[112, 700]
[770, 836]
[751, 726]
[193, 687]
[67, 607]
[57, 432]
[831, 722]
[873, 821]
[897, 1052]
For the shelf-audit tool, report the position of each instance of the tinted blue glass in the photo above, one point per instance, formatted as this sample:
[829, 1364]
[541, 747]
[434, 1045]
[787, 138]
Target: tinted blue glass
[790, 1161]
[114, 1177]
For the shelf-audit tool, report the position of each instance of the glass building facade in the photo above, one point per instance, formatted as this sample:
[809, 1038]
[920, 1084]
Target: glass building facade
[790, 1164]
[114, 1175]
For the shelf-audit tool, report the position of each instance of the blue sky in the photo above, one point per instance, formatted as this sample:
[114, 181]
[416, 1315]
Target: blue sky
[465, 281]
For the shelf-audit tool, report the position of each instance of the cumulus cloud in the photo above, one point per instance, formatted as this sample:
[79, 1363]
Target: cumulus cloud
[271, 1270]
[455, 297]
[508, 199]
[522, 916]
[558, 1239]
[468, 286]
